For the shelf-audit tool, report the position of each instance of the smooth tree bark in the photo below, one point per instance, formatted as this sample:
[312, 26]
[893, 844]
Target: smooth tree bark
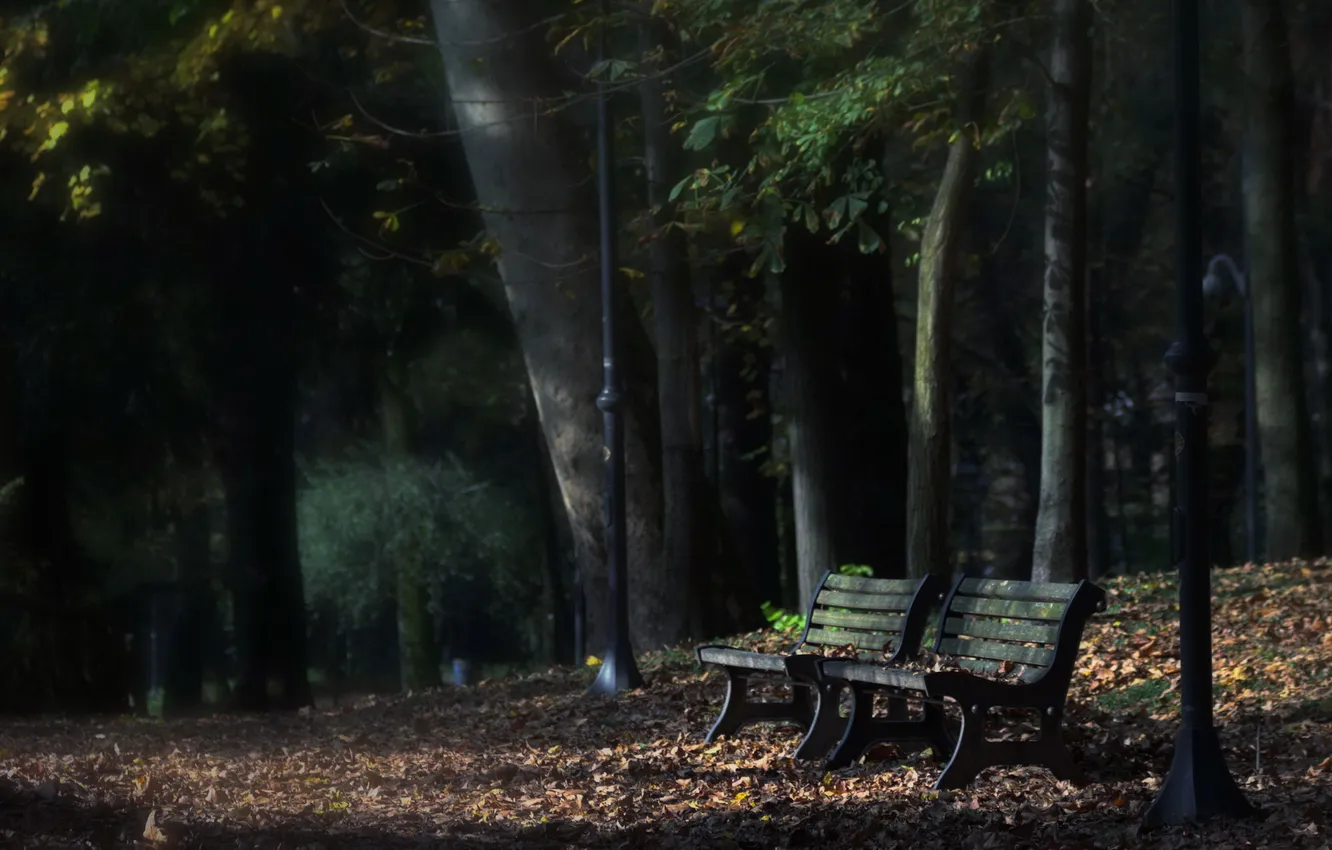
[417, 648]
[1098, 519]
[742, 361]
[873, 422]
[1060, 551]
[689, 531]
[929, 465]
[808, 310]
[275, 251]
[1284, 430]
[529, 170]
[191, 635]
[1011, 402]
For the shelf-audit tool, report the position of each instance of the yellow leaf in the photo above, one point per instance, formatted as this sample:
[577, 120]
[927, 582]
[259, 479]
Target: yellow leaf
[66, 105]
[58, 130]
[593, 661]
[89, 98]
[277, 12]
[37, 184]
[737, 226]
[632, 273]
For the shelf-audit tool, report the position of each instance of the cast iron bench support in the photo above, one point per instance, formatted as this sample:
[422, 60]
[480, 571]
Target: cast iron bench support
[1034, 628]
[869, 613]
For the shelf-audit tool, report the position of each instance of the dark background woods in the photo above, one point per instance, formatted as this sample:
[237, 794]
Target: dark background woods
[301, 331]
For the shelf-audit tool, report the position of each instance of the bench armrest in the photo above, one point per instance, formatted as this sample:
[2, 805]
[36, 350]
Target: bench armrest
[805, 668]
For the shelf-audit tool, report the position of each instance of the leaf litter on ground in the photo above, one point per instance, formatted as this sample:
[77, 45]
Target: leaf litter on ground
[533, 762]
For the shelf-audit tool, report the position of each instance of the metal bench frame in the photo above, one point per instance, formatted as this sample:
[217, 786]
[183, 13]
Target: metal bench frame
[812, 695]
[1042, 687]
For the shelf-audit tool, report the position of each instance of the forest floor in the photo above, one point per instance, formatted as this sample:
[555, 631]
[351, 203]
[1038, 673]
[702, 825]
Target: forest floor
[531, 762]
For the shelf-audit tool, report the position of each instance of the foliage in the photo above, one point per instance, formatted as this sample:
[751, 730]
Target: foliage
[791, 621]
[816, 91]
[781, 619]
[363, 521]
[534, 762]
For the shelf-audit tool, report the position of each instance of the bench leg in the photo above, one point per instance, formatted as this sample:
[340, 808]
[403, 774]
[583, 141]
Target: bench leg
[864, 730]
[738, 711]
[973, 753]
[942, 742]
[969, 754]
[826, 728]
[1054, 752]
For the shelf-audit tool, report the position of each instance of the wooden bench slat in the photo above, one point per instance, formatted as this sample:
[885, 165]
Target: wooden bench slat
[1025, 632]
[862, 640]
[878, 674]
[1008, 608]
[1028, 590]
[1030, 655]
[863, 601]
[990, 668]
[871, 622]
[869, 584]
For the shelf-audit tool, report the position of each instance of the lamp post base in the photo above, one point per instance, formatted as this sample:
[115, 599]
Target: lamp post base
[618, 673]
[1199, 786]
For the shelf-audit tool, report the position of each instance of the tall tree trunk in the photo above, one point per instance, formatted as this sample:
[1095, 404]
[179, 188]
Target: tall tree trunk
[873, 424]
[417, 649]
[1010, 401]
[530, 175]
[1060, 552]
[929, 471]
[742, 359]
[807, 312]
[1098, 519]
[1292, 527]
[187, 648]
[259, 474]
[689, 536]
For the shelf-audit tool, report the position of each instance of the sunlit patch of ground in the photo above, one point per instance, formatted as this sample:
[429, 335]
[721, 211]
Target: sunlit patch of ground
[532, 762]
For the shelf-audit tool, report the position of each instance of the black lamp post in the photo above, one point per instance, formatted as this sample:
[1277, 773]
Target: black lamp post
[618, 671]
[1212, 285]
[1199, 785]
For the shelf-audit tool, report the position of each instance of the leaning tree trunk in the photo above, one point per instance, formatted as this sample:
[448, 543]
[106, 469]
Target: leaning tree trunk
[1060, 552]
[929, 469]
[530, 175]
[1269, 213]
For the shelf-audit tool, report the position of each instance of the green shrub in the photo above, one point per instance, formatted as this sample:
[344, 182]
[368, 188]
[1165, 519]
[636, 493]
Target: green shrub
[362, 522]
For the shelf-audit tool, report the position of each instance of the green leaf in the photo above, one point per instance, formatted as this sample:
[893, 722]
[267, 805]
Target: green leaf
[867, 240]
[680, 187]
[811, 218]
[703, 133]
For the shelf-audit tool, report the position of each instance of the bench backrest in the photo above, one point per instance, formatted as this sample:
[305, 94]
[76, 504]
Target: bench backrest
[880, 616]
[1029, 628]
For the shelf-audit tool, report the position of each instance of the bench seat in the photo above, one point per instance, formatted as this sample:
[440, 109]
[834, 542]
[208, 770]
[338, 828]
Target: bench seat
[1014, 645]
[881, 618]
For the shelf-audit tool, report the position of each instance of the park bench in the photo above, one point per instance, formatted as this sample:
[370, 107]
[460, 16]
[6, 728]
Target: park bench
[1014, 642]
[880, 617]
